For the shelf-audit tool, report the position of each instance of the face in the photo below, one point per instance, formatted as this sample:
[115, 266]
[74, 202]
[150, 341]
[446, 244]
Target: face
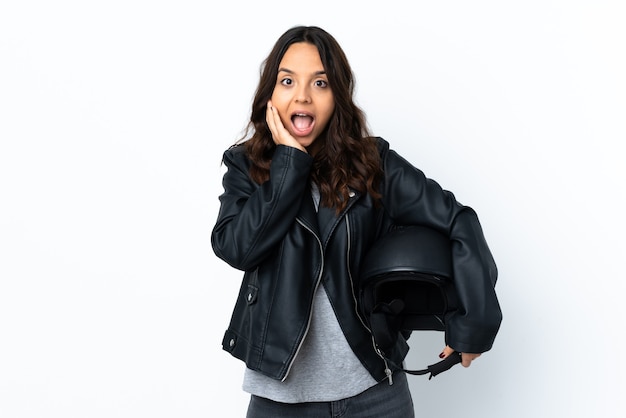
[302, 96]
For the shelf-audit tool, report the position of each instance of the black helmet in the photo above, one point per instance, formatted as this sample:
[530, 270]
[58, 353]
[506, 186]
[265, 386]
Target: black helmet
[406, 283]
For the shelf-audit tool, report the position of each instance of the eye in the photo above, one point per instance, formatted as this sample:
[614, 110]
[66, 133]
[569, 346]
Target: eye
[321, 83]
[286, 82]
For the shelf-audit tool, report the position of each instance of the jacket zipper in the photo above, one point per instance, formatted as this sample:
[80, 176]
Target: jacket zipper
[319, 280]
[388, 371]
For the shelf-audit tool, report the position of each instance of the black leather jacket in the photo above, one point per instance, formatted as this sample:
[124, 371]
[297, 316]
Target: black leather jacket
[273, 233]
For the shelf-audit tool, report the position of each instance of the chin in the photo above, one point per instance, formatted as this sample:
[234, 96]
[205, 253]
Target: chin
[305, 142]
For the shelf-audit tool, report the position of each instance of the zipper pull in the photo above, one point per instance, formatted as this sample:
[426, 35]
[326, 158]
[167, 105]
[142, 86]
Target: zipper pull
[389, 375]
[388, 371]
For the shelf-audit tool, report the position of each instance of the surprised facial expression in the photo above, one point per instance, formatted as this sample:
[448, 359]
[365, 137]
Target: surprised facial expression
[302, 96]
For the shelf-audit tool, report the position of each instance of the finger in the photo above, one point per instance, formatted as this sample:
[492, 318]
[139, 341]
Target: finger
[280, 135]
[467, 358]
[271, 122]
[446, 352]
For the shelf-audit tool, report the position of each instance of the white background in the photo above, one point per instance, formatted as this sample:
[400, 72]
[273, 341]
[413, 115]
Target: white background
[113, 119]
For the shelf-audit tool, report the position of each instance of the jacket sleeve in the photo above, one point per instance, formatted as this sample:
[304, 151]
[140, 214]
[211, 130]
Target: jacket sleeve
[411, 198]
[254, 218]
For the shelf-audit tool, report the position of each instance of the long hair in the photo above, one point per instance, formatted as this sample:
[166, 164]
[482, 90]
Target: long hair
[348, 158]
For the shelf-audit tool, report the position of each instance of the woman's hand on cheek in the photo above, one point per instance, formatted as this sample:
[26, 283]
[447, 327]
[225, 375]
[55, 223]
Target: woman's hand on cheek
[280, 135]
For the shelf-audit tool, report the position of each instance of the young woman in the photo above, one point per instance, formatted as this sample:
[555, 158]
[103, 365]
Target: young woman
[305, 196]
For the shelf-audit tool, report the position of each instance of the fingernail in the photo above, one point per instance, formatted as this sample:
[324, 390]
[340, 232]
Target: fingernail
[441, 355]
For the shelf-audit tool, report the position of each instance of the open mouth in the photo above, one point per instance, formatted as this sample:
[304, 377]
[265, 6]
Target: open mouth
[302, 123]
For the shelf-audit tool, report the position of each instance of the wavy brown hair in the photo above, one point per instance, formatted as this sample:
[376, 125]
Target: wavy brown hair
[348, 158]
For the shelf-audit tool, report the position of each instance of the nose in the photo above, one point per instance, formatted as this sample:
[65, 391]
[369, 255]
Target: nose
[303, 95]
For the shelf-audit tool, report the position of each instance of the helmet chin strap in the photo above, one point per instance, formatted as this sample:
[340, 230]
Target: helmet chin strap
[384, 322]
[442, 366]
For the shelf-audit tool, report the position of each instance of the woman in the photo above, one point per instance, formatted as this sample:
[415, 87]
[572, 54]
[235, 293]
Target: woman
[304, 198]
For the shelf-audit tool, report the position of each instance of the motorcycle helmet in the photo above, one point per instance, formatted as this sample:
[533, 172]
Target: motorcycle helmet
[406, 283]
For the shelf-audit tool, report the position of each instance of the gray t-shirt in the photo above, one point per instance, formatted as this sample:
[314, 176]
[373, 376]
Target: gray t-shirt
[325, 369]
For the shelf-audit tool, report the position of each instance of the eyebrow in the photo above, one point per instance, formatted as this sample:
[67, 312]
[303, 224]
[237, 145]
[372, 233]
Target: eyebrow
[288, 71]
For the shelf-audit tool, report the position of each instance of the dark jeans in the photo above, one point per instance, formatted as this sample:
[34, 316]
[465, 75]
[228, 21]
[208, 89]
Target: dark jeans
[380, 401]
